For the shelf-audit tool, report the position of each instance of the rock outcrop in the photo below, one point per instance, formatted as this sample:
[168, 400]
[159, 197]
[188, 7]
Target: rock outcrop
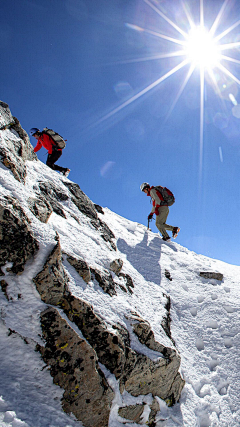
[17, 243]
[211, 275]
[74, 367]
[18, 148]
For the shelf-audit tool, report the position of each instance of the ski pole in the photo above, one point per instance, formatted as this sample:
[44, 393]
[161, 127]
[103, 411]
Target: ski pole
[149, 222]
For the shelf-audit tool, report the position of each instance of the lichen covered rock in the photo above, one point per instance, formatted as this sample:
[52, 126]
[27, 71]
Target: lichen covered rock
[17, 243]
[74, 367]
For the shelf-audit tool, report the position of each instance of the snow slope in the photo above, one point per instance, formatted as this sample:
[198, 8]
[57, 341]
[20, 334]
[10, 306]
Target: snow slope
[205, 316]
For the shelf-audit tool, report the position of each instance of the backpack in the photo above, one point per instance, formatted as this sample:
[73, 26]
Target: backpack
[58, 139]
[165, 195]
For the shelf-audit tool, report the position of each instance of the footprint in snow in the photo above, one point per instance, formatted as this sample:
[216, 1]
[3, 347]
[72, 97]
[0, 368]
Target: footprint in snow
[223, 388]
[199, 344]
[193, 311]
[226, 289]
[229, 309]
[214, 296]
[228, 342]
[213, 363]
[200, 299]
[212, 324]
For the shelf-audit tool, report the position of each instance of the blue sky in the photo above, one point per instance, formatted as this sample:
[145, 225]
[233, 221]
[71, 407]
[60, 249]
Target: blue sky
[71, 65]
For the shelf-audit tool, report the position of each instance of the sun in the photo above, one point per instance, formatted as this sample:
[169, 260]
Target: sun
[195, 48]
[201, 49]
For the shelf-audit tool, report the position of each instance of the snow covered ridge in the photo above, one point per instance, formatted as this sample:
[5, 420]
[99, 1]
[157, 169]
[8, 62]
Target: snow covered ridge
[87, 335]
[70, 294]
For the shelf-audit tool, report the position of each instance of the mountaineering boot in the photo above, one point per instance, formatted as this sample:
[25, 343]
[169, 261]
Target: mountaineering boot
[175, 232]
[166, 239]
[66, 172]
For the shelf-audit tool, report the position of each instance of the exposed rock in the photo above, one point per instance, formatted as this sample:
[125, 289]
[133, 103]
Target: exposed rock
[155, 408]
[4, 286]
[81, 267]
[106, 281]
[18, 149]
[74, 367]
[166, 321]
[40, 208]
[137, 373]
[160, 378]
[17, 243]
[128, 282]
[53, 195]
[116, 266]
[146, 337]
[5, 117]
[16, 126]
[83, 203]
[109, 347]
[132, 412]
[106, 233]
[14, 163]
[51, 282]
[168, 275]
[99, 209]
[211, 275]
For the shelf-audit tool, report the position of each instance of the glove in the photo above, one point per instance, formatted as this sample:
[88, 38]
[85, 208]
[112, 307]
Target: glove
[150, 216]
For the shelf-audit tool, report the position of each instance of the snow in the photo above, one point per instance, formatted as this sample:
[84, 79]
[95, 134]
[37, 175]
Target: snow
[204, 314]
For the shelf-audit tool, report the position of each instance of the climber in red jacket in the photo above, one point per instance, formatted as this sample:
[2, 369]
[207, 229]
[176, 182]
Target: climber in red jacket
[44, 140]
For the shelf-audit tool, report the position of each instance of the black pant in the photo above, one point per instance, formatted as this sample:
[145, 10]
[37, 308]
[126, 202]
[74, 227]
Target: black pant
[52, 158]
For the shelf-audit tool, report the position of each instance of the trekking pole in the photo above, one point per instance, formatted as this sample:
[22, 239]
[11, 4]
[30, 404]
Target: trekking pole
[148, 223]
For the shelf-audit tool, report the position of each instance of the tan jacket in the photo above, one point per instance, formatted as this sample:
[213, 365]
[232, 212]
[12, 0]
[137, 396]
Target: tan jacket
[156, 201]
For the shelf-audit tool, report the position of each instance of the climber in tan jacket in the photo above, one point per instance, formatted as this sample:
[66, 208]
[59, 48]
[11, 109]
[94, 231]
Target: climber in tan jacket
[161, 199]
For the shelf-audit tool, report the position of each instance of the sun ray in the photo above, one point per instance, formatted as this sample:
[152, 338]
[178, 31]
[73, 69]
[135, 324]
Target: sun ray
[143, 92]
[213, 78]
[201, 122]
[152, 58]
[201, 14]
[227, 31]
[218, 18]
[191, 69]
[228, 58]
[190, 20]
[229, 46]
[166, 18]
[156, 34]
[228, 73]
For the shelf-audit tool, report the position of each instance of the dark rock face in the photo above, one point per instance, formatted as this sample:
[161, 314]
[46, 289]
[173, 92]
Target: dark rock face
[106, 281]
[17, 243]
[81, 267]
[74, 367]
[52, 280]
[83, 203]
[137, 373]
[106, 233]
[40, 208]
[19, 149]
[116, 266]
[128, 282]
[131, 412]
[53, 196]
[211, 275]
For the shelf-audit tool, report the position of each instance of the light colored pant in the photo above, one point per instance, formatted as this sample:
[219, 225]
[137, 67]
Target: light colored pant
[161, 221]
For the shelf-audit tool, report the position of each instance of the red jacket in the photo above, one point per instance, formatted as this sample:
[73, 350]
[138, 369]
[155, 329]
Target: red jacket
[46, 142]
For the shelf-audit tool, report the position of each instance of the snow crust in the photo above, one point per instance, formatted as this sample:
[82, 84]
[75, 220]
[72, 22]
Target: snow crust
[204, 313]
